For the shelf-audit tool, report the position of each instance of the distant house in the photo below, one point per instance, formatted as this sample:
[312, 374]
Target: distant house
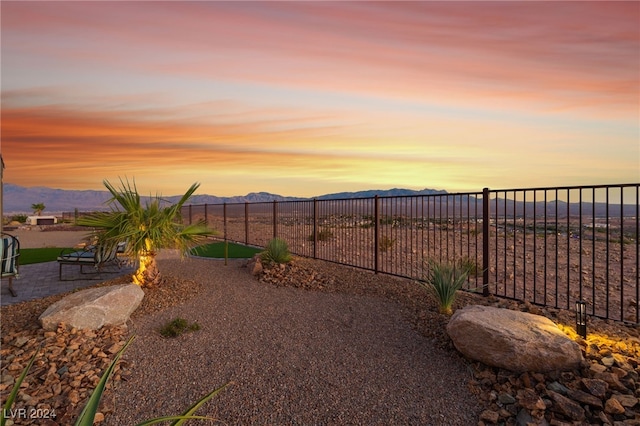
[41, 220]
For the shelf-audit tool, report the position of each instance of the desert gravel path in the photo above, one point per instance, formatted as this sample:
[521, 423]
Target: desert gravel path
[295, 357]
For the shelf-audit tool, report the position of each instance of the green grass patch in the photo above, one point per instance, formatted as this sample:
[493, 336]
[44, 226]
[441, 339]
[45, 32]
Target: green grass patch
[29, 256]
[216, 250]
[178, 326]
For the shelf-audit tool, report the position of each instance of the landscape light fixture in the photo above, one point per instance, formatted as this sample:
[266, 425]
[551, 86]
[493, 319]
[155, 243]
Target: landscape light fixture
[581, 318]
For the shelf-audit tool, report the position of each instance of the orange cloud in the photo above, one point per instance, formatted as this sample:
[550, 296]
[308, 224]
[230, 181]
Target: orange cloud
[439, 94]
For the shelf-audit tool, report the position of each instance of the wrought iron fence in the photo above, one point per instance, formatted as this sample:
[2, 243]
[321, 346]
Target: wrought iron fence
[549, 246]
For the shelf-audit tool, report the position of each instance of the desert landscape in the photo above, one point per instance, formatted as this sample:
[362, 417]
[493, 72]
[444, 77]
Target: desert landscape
[542, 260]
[258, 332]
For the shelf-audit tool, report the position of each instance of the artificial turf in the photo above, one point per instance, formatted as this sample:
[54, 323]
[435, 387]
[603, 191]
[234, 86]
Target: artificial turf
[216, 250]
[235, 251]
[39, 255]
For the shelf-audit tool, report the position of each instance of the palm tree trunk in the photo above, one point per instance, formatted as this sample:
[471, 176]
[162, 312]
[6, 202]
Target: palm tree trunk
[148, 274]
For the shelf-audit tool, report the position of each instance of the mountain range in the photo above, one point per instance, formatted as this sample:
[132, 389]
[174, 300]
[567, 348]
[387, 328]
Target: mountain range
[18, 199]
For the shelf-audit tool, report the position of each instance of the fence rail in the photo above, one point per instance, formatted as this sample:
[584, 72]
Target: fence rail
[548, 246]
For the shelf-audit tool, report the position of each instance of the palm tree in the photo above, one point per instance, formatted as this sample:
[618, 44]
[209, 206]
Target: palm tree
[37, 208]
[146, 229]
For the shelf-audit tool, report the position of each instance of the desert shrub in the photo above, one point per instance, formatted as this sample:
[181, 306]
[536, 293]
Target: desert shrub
[442, 281]
[276, 251]
[385, 244]
[22, 218]
[386, 220]
[177, 326]
[475, 231]
[324, 235]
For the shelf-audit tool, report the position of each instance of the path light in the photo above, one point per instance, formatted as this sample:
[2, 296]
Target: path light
[581, 318]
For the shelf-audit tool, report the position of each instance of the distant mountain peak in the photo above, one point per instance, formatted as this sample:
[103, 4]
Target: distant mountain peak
[18, 199]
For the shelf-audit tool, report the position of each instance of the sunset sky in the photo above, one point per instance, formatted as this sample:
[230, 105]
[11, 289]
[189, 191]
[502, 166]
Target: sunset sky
[309, 98]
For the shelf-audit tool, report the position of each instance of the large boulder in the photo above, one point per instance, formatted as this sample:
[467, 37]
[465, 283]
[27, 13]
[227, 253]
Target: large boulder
[94, 308]
[516, 341]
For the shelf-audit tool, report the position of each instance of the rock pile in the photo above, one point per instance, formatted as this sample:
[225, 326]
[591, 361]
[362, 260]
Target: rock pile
[70, 361]
[603, 389]
[67, 369]
[292, 274]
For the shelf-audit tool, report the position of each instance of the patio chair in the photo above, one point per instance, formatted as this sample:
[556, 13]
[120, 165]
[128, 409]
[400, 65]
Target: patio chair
[10, 252]
[96, 256]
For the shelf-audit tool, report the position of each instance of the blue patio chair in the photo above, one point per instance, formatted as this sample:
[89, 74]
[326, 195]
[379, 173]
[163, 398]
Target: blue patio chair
[97, 256]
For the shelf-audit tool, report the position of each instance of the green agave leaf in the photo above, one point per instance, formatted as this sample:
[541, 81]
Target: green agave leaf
[169, 418]
[16, 388]
[89, 411]
[198, 404]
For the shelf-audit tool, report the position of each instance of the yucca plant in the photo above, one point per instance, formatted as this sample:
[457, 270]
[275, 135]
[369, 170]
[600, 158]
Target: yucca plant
[89, 411]
[145, 228]
[442, 281]
[276, 251]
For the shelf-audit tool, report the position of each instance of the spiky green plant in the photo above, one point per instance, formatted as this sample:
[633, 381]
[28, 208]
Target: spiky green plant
[145, 228]
[442, 281]
[276, 251]
[87, 416]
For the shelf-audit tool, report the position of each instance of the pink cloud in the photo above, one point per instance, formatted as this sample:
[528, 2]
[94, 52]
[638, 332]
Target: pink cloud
[558, 54]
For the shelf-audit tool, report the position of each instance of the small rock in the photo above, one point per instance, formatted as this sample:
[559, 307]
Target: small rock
[625, 400]
[530, 400]
[506, 399]
[595, 387]
[567, 407]
[558, 387]
[585, 398]
[613, 406]
[20, 341]
[490, 416]
[612, 380]
[523, 418]
[74, 397]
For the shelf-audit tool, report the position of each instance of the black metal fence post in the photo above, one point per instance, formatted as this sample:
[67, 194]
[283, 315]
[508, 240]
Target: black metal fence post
[246, 222]
[315, 228]
[224, 220]
[376, 235]
[275, 219]
[485, 241]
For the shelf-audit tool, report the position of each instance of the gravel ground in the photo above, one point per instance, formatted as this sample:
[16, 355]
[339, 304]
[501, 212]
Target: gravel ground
[326, 345]
[292, 356]
[312, 343]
